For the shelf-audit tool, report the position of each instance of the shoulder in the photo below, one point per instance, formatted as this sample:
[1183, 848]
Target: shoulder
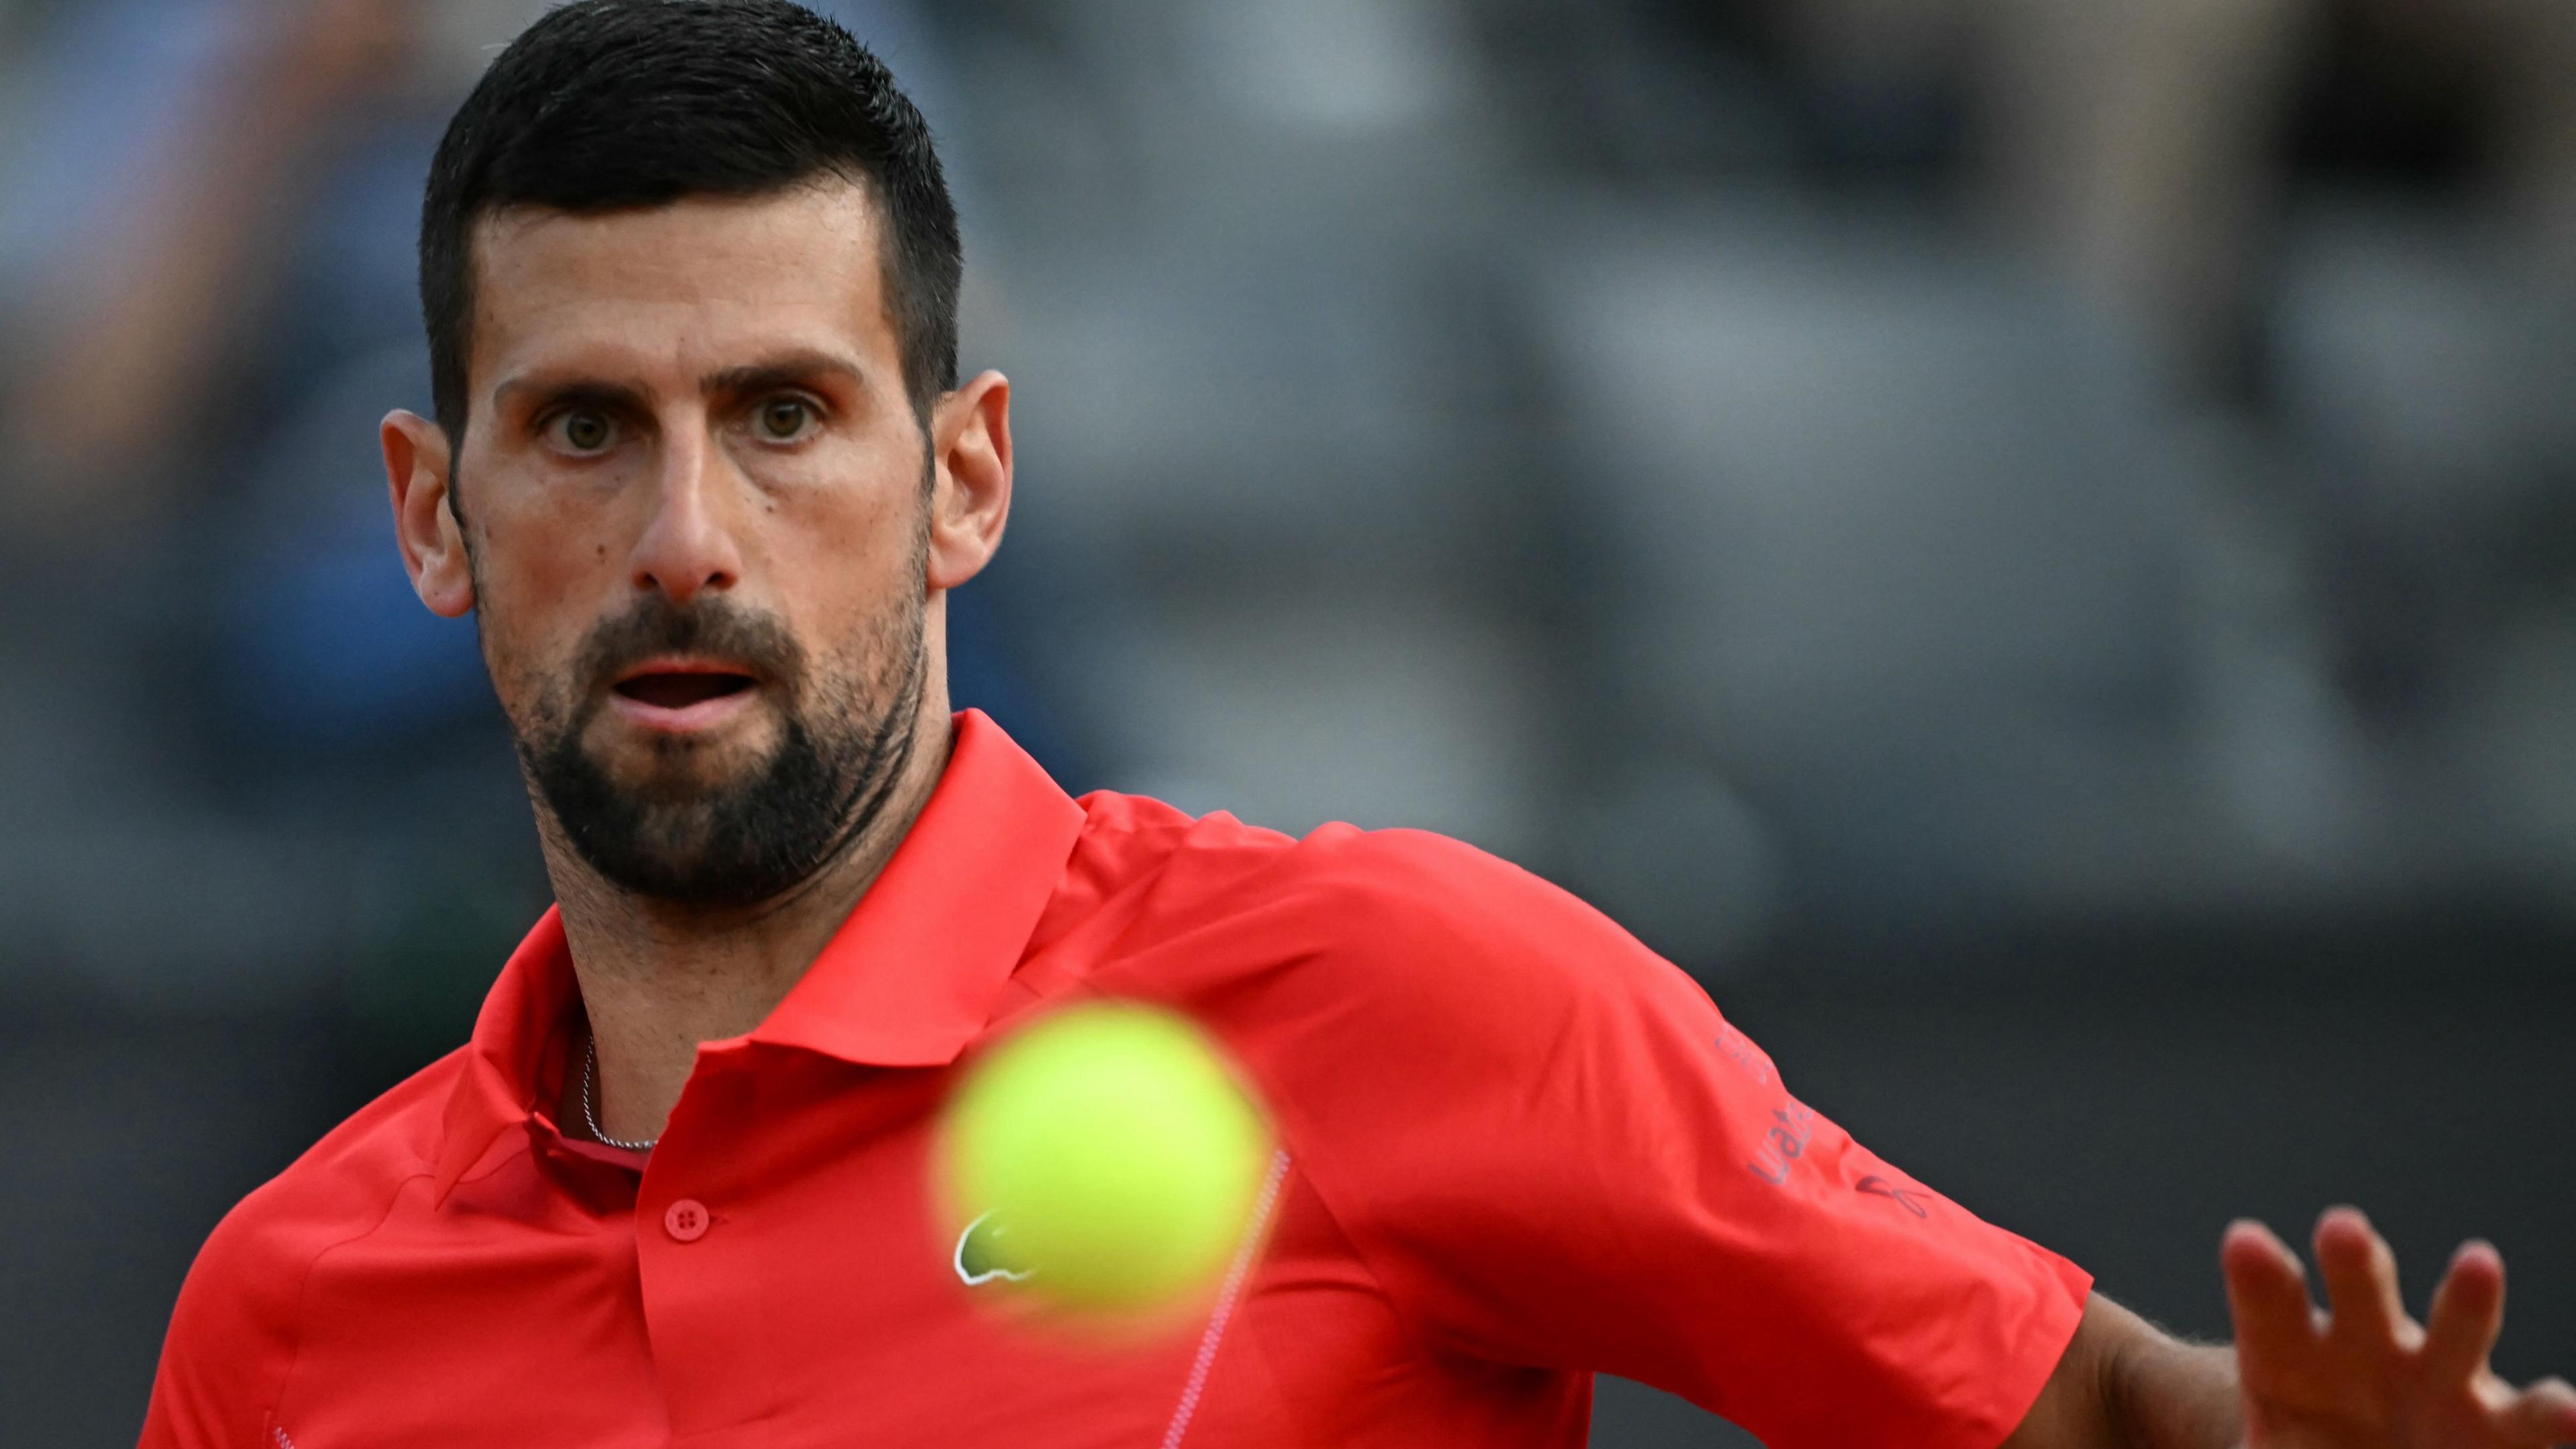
[233, 1330]
[1461, 963]
[357, 1165]
[1216, 861]
[1386, 927]
[338, 1189]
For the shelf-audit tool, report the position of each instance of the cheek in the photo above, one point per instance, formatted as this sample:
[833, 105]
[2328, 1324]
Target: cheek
[532, 621]
[844, 553]
[523, 679]
[851, 497]
[859, 607]
[547, 560]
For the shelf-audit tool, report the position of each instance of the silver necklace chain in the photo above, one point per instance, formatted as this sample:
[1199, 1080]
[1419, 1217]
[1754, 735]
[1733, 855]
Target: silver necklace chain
[590, 1093]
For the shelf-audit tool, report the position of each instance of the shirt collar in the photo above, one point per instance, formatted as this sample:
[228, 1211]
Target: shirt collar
[912, 975]
[908, 980]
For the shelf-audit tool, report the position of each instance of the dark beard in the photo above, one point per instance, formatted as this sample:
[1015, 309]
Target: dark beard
[741, 843]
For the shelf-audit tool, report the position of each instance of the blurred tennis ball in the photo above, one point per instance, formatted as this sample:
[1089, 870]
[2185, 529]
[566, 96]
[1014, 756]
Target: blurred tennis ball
[1105, 1159]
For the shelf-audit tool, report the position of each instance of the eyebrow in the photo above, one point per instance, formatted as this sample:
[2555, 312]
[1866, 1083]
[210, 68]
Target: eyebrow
[787, 369]
[569, 387]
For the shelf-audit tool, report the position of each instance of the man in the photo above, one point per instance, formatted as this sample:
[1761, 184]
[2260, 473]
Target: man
[704, 473]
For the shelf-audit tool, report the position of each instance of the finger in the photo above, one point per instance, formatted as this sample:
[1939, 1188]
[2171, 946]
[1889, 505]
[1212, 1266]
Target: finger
[2467, 1314]
[2360, 1274]
[2267, 1294]
[2545, 1413]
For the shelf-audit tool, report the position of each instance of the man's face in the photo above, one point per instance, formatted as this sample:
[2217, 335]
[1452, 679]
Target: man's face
[695, 500]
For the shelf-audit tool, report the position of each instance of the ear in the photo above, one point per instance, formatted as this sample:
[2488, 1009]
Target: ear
[970, 500]
[417, 470]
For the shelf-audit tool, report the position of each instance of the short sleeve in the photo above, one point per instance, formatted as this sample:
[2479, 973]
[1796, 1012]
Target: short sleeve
[1551, 1150]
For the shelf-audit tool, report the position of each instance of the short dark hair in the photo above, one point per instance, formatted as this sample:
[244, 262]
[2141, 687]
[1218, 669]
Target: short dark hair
[603, 105]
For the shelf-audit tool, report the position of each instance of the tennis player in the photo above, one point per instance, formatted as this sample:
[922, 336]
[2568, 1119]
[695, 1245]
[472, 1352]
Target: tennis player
[703, 470]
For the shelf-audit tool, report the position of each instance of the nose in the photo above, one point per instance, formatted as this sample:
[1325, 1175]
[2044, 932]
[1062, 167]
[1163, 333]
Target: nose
[685, 548]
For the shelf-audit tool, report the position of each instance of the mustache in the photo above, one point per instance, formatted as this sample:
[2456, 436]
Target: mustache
[656, 625]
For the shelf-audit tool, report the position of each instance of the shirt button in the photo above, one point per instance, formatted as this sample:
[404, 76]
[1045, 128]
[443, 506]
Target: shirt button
[685, 1220]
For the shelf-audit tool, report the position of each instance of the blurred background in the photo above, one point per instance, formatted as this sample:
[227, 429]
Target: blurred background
[2029, 544]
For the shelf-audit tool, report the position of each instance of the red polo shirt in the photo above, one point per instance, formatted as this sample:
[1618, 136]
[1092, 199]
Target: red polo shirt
[1518, 1148]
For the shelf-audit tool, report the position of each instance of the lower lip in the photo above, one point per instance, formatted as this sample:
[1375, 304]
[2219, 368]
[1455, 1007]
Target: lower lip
[706, 714]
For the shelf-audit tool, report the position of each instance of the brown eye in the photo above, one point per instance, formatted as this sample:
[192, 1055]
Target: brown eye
[781, 419]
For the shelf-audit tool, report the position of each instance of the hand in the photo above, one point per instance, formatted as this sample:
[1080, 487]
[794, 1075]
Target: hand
[2366, 1376]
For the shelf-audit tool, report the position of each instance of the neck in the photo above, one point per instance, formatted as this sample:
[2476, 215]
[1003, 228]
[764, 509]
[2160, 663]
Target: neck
[657, 979]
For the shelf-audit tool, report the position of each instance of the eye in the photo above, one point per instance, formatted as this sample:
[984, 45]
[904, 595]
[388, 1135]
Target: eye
[582, 430]
[783, 419]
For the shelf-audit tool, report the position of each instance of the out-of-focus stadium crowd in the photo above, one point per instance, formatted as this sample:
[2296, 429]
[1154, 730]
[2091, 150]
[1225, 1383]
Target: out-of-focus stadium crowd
[1874, 493]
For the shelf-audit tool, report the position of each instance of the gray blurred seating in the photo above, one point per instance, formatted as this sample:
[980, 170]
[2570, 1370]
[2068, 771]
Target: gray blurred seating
[1276, 466]
[1912, 541]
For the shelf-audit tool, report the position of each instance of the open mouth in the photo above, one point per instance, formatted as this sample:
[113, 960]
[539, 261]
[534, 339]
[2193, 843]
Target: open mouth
[676, 694]
[679, 689]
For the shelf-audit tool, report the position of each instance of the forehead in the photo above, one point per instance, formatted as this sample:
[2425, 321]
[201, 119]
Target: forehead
[700, 282]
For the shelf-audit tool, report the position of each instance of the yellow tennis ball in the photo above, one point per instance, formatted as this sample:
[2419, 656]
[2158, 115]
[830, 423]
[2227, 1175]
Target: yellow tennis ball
[1103, 1158]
